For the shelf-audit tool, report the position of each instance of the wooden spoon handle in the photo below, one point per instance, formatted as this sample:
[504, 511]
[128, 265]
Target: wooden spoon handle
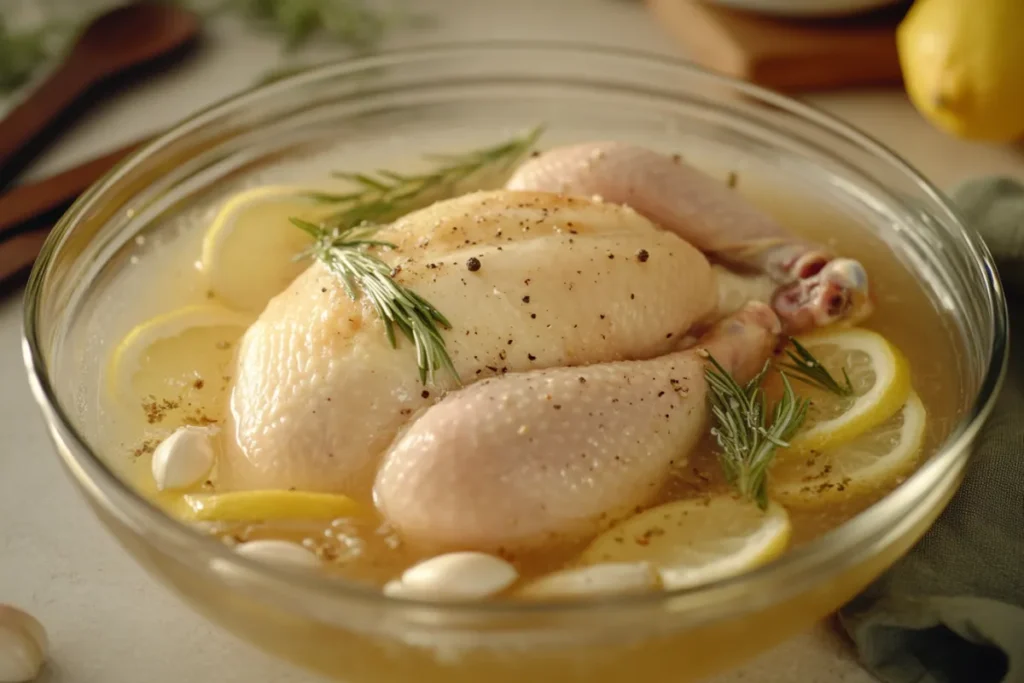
[29, 201]
[19, 253]
[24, 125]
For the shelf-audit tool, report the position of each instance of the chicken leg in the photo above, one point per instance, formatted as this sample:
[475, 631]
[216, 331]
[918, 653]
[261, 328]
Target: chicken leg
[518, 462]
[814, 288]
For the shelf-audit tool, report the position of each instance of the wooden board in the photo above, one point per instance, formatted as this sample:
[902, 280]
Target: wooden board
[787, 54]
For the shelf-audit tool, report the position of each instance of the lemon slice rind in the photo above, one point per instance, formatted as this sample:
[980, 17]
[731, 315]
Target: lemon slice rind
[126, 358]
[245, 264]
[884, 399]
[260, 506]
[800, 480]
[696, 541]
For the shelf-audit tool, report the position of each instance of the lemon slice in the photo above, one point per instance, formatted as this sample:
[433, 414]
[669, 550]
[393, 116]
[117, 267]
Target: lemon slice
[171, 358]
[259, 506]
[871, 460]
[880, 377]
[697, 541]
[250, 247]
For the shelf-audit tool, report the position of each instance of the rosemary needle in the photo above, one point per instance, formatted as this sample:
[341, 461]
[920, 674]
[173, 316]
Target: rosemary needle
[746, 439]
[807, 369]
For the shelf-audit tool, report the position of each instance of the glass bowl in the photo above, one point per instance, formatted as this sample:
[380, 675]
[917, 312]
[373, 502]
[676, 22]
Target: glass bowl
[396, 106]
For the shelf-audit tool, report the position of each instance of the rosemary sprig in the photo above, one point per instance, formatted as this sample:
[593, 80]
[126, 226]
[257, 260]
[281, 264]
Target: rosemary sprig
[387, 195]
[807, 369]
[346, 253]
[746, 440]
[343, 241]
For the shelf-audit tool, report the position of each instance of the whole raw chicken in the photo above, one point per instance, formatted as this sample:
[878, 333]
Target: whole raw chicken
[575, 297]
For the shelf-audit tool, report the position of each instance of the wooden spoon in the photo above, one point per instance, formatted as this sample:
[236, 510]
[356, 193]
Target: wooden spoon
[112, 45]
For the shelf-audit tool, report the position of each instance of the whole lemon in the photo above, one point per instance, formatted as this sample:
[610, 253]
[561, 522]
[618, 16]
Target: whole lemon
[963, 65]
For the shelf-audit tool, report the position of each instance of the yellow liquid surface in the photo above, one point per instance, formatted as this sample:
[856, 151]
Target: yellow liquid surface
[186, 382]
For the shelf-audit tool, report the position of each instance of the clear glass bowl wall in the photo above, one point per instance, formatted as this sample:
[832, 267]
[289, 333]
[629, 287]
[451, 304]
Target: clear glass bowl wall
[393, 107]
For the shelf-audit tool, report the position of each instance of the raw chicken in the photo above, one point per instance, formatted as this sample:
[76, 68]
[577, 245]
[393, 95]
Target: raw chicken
[513, 463]
[569, 318]
[319, 394]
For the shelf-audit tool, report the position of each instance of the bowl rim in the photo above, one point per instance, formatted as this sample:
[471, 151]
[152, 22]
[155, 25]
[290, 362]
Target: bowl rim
[796, 567]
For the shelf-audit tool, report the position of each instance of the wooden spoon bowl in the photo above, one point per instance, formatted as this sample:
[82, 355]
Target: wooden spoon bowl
[113, 45]
[131, 36]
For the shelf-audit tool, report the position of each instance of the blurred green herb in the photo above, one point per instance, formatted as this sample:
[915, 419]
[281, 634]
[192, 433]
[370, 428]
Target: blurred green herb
[22, 52]
[351, 23]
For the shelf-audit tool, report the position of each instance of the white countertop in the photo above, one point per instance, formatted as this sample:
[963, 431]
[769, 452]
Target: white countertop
[108, 621]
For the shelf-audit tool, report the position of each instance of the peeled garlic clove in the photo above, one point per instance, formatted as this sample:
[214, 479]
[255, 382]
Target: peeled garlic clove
[611, 578]
[396, 589]
[183, 459]
[278, 552]
[462, 575]
[23, 645]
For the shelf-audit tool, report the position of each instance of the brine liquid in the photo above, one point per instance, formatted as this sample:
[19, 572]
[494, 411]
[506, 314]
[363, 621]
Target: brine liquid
[161, 275]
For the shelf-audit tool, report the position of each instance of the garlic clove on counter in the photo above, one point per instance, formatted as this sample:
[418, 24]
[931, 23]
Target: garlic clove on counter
[184, 458]
[23, 645]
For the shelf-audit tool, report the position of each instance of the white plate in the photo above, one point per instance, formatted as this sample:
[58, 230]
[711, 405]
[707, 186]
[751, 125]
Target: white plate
[804, 8]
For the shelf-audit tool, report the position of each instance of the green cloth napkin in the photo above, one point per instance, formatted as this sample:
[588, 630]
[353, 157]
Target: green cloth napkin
[952, 610]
